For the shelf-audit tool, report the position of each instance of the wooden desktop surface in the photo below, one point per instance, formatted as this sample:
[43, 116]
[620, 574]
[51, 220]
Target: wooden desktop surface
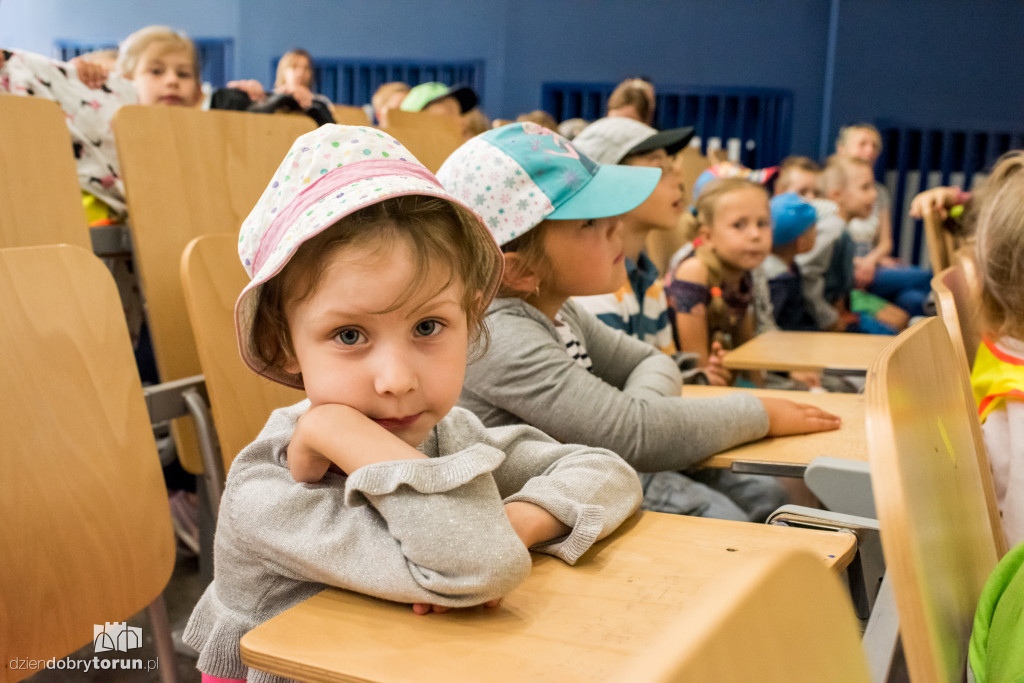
[807, 351]
[562, 624]
[849, 441]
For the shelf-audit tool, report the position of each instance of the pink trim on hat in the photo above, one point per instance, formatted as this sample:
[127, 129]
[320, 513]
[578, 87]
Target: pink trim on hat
[324, 185]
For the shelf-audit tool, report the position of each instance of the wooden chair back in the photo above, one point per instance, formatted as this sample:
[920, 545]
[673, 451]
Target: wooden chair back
[431, 138]
[941, 533]
[689, 163]
[350, 116]
[189, 173]
[241, 400]
[86, 537]
[940, 242]
[789, 615]
[40, 199]
[956, 297]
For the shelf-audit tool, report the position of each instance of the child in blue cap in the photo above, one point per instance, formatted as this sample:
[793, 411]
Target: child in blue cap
[552, 364]
[793, 232]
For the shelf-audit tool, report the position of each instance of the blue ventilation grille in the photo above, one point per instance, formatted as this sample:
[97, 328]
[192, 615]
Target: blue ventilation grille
[761, 119]
[216, 56]
[353, 82]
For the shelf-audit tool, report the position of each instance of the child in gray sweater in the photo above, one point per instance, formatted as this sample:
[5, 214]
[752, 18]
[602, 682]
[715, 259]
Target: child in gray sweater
[369, 285]
[552, 364]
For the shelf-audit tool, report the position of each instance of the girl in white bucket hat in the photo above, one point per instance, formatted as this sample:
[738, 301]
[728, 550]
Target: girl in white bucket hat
[369, 284]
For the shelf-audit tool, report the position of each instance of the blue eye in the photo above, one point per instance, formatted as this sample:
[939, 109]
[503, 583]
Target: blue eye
[348, 336]
[427, 328]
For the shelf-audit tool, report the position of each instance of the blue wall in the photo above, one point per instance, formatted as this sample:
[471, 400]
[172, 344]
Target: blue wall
[935, 62]
[931, 62]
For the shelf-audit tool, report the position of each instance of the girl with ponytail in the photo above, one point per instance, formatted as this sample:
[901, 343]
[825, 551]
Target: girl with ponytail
[710, 286]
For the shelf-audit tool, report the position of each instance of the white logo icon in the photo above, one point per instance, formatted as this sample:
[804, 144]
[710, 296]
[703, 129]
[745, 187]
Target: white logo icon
[117, 636]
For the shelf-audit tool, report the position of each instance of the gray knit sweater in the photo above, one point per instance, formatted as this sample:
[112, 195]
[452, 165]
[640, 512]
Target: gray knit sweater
[629, 404]
[429, 530]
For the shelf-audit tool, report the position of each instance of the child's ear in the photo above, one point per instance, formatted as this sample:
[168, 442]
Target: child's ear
[518, 274]
[703, 231]
[834, 194]
[291, 365]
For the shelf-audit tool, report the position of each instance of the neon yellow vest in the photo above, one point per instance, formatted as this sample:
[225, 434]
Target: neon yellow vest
[995, 376]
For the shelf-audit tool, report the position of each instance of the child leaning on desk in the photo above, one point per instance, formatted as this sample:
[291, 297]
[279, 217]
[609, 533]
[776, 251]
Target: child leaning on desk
[369, 284]
[554, 365]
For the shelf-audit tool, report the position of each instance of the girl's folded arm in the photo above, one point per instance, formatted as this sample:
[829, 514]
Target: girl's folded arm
[589, 490]
[430, 531]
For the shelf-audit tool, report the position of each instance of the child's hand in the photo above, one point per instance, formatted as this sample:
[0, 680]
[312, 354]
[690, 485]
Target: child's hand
[786, 417]
[301, 93]
[937, 200]
[336, 434]
[251, 87]
[863, 272]
[533, 524]
[92, 74]
[811, 379]
[422, 608]
[893, 316]
[715, 370]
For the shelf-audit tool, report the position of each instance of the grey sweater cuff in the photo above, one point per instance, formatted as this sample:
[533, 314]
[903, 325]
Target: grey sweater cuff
[430, 475]
[586, 522]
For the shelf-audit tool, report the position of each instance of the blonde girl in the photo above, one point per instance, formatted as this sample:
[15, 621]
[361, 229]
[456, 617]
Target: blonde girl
[710, 287]
[998, 374]
[553, 365]
[295, 77]
[368, 288]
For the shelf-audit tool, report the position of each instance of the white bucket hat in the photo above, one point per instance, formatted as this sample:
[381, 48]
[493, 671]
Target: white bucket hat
[327, 175]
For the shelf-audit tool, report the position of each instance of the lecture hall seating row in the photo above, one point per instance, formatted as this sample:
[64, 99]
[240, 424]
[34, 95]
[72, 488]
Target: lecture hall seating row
[209, 184]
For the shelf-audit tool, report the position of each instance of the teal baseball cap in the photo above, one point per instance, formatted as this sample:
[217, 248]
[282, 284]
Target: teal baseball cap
[517, 176]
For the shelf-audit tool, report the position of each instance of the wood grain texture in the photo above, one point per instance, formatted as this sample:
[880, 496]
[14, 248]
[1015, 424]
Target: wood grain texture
[957, 297]
[190, 173]
[86, 536]
[807, 351]
[346, 115]
[776, 618]
[939, 242]
[937, 533]
[40, 200]
[431, 138]
[241, 400]
[562, 624]
[848, 442]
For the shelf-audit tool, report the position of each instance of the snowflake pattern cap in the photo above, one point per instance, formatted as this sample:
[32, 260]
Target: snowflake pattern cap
[519, 175]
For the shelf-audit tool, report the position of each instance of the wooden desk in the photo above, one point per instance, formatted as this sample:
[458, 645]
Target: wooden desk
[808, 351]
[562, 624]
[790, 455]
